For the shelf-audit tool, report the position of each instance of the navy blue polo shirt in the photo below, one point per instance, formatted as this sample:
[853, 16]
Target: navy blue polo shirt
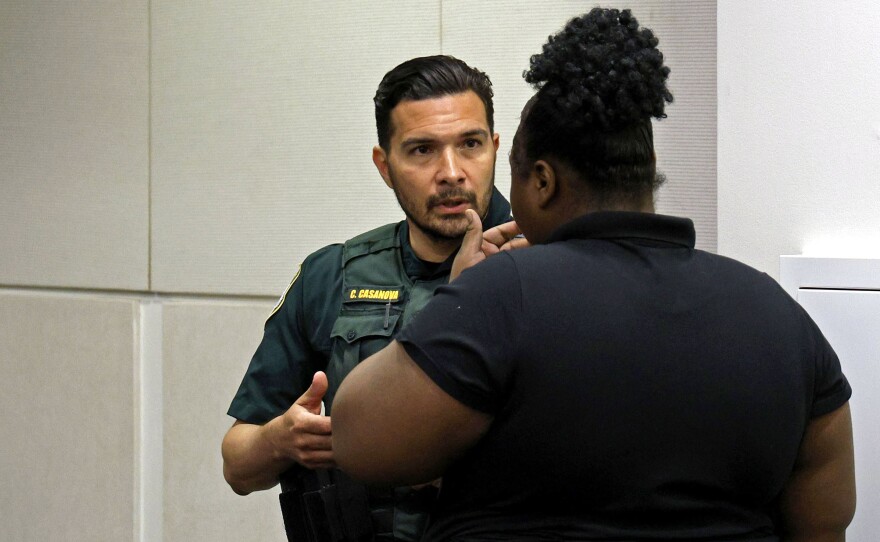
[640, 388]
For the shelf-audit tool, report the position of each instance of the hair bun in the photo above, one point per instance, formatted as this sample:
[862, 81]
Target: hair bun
[602, 70]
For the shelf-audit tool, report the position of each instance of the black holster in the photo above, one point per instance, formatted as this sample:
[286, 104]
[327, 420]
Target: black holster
[324, 506]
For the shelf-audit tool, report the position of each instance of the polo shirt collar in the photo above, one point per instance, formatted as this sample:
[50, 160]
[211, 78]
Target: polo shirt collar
[499, 211]
[650, 227]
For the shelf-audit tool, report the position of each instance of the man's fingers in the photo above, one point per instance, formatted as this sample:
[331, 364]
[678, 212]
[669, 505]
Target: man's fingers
[314, 442]
[311, 399]
[317, 460]
[314, 424]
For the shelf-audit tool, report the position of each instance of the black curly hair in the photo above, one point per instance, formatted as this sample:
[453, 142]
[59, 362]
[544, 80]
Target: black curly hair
[600, 80]
[428, 77]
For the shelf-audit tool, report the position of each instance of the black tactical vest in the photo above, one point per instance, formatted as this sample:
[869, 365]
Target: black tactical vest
[378, 299]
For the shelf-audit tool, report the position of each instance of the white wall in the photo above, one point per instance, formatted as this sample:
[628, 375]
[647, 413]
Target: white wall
[798, 129]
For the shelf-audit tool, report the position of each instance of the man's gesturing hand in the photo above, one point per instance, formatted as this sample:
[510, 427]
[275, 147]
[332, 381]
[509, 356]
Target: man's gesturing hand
[305, 434]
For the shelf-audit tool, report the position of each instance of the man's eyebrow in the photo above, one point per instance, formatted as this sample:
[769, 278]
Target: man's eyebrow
[476, 132]
[414, 141]
[417, 141]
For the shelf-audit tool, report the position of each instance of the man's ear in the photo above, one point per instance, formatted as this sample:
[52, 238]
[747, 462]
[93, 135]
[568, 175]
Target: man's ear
[380, 159]
[496, 140]
[545, 182]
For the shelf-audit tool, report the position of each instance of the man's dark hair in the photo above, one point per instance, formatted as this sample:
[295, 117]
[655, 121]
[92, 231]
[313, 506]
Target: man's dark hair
[600, 80]
[428, 77]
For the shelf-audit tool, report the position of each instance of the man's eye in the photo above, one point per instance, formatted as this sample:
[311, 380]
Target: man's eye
[472, 143]
[420, 150]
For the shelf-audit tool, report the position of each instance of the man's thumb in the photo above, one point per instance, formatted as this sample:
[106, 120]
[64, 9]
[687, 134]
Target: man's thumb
[311, 399]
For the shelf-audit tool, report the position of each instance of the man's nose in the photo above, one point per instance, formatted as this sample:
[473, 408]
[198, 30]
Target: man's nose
[450, 169]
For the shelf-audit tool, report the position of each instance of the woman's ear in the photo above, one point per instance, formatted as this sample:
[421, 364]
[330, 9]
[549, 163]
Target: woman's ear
[545, 182]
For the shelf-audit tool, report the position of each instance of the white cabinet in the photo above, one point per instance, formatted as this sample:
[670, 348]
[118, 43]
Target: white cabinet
[843, 297]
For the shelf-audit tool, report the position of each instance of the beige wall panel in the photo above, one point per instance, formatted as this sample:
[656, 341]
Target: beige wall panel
[686, 142]
[262, 133]
[67, 398]
[207, 347]
[74, 166]
[499, 37]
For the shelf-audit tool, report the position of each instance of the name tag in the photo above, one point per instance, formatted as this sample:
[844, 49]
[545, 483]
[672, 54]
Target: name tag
[376, 295]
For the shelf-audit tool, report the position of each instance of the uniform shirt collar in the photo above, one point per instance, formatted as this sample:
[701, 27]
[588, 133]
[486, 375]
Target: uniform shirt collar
[647, 227]
[417, 269]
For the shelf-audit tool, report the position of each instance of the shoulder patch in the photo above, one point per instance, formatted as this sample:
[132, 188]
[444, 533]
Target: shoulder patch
[284, 295]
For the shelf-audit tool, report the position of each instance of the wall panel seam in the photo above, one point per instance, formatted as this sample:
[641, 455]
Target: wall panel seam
[137, 294]
[150, 393]
[440, 25]
[149, 145]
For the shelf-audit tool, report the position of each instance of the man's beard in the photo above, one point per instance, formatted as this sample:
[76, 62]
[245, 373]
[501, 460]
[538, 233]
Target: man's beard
[433, 231]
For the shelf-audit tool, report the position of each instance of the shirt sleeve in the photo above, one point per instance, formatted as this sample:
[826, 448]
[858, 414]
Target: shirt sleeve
[831, 388]
[466, 337]
[292, 348]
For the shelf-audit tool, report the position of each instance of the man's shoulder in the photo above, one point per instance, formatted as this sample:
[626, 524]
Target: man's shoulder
[377, 239]
[324, 260]
[328, 260]
[382, 232]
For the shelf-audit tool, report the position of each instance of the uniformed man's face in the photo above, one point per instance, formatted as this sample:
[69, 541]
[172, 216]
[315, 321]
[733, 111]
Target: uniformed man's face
[440, 162]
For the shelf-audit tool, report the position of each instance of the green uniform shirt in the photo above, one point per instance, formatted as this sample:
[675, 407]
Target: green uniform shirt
[297, 336]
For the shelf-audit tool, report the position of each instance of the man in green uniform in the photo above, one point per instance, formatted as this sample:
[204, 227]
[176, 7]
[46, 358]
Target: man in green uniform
[437, 147]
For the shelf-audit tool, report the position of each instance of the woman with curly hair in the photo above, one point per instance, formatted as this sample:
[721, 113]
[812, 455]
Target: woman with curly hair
[610, 382]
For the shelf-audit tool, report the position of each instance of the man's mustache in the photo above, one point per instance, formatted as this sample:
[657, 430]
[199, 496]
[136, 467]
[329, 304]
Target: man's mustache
[453, 194]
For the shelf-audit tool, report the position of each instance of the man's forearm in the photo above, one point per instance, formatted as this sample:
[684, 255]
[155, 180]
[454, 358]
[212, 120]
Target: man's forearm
[250, 461]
